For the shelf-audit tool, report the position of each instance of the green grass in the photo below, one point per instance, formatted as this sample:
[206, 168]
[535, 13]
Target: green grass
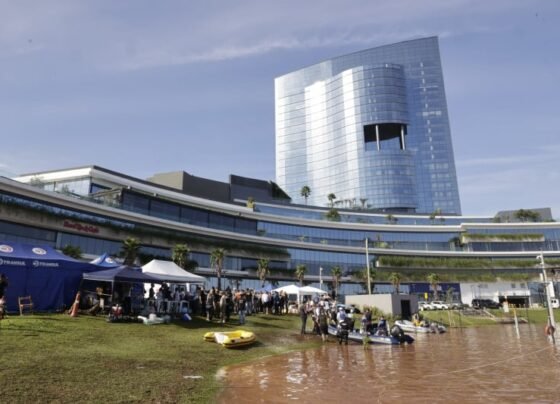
[56, 358]
[534, 316]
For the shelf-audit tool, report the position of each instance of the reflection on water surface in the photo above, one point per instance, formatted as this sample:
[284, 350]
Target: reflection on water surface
[471, 365]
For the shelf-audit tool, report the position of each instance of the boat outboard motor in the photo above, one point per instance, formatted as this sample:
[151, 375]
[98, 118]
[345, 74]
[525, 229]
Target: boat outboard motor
[397, 333]
[434, 328]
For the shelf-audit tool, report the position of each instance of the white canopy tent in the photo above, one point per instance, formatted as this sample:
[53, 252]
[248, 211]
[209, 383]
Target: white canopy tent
[290, 289]
[300, 291]
[168, 271]
[310, 290]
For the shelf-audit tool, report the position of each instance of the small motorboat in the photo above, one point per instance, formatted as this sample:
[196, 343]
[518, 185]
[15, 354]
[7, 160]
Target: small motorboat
[231, 339]
[396, 337]
[427, 328]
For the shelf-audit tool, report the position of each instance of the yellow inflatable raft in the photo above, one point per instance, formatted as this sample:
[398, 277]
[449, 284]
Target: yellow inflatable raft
[231, 339]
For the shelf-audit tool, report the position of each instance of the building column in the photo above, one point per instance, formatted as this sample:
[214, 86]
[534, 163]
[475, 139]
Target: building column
[403, 146]
[377, 136]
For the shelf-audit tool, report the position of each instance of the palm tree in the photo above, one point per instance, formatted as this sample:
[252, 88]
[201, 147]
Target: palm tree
[251, 202]
[129, 250]
[395, 279]
[305, 192]
[72, 251]
[362, 276]
[300, 273]
[180, 255]
[262, 269]
[435, 214]
[333, 215]
[331, 197]
[391, 219]
[217, 261]
[433, 279]
[336, 273]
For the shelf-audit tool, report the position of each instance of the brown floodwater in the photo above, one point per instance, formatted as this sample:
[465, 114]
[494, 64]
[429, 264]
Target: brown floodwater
[488, 364]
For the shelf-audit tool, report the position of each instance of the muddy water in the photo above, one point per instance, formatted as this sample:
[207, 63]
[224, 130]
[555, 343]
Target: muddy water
[487, 364]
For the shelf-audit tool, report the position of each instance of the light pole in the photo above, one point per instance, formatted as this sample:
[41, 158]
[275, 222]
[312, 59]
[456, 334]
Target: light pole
[551, 322]
[321, 278]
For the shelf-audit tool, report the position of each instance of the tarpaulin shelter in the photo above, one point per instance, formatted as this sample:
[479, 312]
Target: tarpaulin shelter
[310, 290]
[168, 271]
[51, 279]
[123, 274]
[105, 261]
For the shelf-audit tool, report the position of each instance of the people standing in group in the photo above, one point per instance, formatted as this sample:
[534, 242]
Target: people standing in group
[217, 308]
[241, 307]
[382, 327]
[341, 315]
[366, 320]
[265, 297]
[223, 307]
[323, 323]
[3, 285]
[303, 311]
[275, 303]
[249, 302]
[209, 305]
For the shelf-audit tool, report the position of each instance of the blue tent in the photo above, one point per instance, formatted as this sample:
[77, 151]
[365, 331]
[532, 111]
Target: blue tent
[105, 261]
[51, 279]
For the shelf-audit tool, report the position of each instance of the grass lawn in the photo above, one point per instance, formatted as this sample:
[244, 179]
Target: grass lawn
[57, 358]
[534, 316]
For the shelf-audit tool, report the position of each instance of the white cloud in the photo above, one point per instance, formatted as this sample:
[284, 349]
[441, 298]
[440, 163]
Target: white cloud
[138, 35]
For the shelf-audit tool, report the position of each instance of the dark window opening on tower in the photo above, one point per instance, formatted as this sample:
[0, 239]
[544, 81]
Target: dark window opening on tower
[379, 135]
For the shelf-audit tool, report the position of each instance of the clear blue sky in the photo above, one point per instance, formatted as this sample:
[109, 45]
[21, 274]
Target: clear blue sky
[142, 87]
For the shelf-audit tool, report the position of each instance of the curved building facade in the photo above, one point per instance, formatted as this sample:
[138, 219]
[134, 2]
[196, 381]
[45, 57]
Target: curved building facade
[372, 128]
[96, 209]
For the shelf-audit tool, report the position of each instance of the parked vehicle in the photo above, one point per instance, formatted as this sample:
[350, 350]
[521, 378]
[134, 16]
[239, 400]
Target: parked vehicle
[555, 303]
[423, 306]
[456, 306]
[485, 304]
[439, 305]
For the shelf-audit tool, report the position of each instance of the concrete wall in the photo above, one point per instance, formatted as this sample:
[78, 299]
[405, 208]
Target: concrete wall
[387, 303]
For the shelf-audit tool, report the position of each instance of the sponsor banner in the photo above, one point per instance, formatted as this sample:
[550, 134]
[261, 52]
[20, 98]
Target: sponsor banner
[37, 264]
[86, 228]
[13, 262]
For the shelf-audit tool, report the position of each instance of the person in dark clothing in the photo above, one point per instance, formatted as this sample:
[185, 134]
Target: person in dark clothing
[3, 285]
[303, 316]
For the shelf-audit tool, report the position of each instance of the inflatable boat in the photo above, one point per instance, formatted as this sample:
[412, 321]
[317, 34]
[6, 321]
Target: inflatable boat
[232, 339]
[395, 338]
[431, 328]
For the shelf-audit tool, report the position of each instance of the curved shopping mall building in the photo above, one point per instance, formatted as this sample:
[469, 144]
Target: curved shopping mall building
[96, 209]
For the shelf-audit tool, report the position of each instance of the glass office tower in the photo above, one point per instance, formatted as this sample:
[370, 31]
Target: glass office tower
[371, 127]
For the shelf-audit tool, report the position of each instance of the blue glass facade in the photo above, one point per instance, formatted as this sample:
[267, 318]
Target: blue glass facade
[371, 127]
